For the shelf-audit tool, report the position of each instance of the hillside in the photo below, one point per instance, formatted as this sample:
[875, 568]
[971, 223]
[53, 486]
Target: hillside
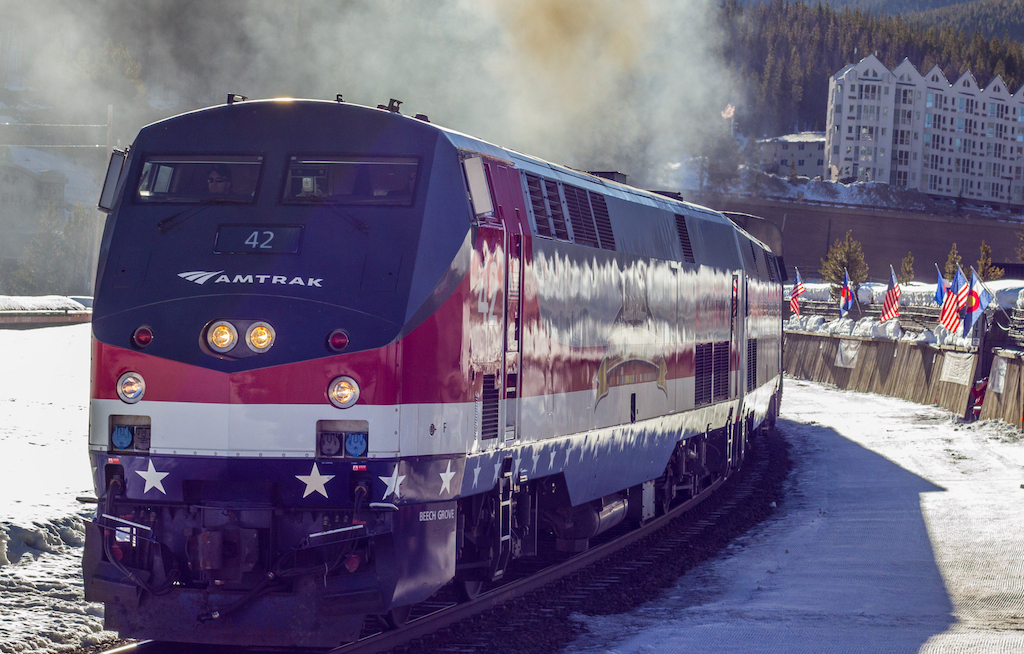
[891, 7]
[786, 52]
[992, 18]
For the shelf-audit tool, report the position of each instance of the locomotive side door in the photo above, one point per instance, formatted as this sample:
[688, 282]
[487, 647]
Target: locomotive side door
[486, 307]
[498, 272]
[737, 366]
[513, 329]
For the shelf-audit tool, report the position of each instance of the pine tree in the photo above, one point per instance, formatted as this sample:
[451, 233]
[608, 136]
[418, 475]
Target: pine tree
[844, 255]
[906, 273]
[986, 270]
[57, 259]
[952, 263]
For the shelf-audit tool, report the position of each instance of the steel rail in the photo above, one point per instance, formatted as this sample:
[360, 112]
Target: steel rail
[448, 616]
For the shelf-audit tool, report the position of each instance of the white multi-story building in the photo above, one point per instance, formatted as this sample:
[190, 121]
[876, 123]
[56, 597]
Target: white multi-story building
[919, 131]
[802, 153]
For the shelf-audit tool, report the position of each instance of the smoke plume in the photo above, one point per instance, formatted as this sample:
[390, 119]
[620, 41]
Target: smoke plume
[622, 85]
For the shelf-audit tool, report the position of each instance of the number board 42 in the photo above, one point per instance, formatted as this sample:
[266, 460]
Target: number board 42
[258, 239]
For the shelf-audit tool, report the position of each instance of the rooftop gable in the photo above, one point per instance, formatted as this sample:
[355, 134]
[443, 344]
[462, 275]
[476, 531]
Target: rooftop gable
[867, 68]
[907, 72]
[935, 76]
[966, 82]
[997, 88]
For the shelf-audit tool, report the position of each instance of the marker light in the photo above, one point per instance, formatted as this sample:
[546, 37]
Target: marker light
[343, 392]
[222, 336]
[142, 337]
[338, 340]
[260, 336]
[131, 387]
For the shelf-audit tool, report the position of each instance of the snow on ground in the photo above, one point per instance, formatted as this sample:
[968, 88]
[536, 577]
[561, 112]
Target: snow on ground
[44, 416]
[900, 532]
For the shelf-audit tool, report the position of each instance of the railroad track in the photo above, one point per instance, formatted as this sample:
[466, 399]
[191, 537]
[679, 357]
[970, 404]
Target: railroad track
[529, 613]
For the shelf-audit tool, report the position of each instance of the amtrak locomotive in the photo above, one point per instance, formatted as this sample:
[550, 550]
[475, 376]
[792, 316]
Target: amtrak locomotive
[343, 357]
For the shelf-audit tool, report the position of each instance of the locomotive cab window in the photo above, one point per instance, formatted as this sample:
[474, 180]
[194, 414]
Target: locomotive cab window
[199, 178]
[351, 180]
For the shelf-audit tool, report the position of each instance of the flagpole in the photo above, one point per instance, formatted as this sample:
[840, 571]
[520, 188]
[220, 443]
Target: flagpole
[960, 311]
[982, 282]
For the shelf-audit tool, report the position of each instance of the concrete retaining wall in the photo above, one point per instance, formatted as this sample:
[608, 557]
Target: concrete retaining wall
[809, 230]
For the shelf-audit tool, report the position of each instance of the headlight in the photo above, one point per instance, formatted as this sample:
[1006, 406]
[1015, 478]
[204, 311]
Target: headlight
[260, 336]
[131, 387]
[343, 392]
[222, 336]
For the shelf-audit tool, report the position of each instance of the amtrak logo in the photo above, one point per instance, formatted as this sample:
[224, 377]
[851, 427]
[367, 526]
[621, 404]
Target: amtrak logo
[219, 277]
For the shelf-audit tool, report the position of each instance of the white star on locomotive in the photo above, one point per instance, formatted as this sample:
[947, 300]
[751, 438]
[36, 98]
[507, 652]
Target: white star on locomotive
[394, 483]
[314, 481]
[476, 473]
[446, 479]
[153, 478]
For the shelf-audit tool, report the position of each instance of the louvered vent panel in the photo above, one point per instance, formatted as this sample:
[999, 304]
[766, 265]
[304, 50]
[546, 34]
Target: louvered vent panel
[753, 254]
[702, 374]
[540, 212]
[751, 364]
[489, 417]
[555, 206]
[583, 231]
[769, 264]
[720, 387]
[602, 220]
[684, 239]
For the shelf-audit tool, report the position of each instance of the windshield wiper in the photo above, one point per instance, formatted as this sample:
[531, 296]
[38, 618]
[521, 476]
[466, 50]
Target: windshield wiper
[178, 219]
[355, 222]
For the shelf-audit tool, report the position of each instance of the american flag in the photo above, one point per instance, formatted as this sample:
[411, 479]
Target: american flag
[794, 295]
[891, 305]
[955, 300]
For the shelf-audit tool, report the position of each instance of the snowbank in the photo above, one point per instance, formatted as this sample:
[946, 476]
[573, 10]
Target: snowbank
[916, 294]
[872, 328]
[40, 303]
[1007, 295]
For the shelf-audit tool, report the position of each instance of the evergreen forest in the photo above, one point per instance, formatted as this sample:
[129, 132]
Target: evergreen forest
[785, 52]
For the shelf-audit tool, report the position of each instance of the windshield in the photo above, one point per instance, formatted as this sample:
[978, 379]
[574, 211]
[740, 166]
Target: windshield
[199, 178]
[351, 180]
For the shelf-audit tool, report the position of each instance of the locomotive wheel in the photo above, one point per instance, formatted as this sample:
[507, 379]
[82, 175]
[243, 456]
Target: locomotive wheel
[468, 590]
[397, 616]
[663, 497]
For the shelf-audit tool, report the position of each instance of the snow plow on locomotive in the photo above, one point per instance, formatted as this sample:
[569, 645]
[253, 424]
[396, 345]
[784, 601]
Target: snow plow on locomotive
[343, 358]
